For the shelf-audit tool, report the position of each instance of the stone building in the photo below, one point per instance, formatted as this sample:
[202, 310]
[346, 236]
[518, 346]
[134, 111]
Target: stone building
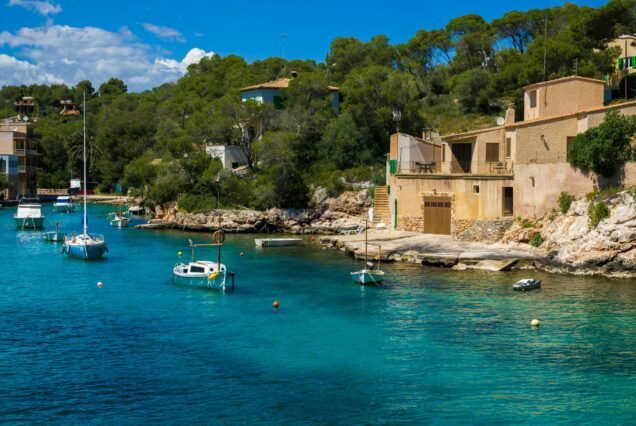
[516, 169]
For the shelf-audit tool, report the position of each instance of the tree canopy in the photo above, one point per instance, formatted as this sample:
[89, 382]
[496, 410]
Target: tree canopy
[449, 78]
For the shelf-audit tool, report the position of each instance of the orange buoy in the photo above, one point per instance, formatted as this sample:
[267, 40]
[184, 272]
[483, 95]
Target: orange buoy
[205, 235]
[275, 305]
[99, 284]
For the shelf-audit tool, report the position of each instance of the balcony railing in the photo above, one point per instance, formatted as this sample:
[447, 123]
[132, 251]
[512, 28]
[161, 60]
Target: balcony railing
[488, 168]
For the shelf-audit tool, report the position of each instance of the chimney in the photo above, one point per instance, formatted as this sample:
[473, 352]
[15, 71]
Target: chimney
[510, 114]
[294, 74]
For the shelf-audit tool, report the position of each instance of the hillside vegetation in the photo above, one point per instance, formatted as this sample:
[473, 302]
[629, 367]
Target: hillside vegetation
[450, 79]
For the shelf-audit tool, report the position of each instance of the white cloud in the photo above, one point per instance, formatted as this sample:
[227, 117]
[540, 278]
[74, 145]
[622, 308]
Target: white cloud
[44, 8]
[12, 69]
[165, 33]
[64, 54]
[194, 56]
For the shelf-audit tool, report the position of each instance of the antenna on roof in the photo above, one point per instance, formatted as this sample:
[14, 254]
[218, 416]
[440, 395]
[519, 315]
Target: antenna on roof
[545, 45]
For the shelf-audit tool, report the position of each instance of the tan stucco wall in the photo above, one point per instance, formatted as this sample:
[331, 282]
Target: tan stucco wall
[552, 179]
[6, 142]
[531, 148]
[487, 204]
[563, 97]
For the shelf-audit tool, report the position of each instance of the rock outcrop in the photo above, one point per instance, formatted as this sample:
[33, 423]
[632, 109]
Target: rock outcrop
[575, 247]
[325, 216]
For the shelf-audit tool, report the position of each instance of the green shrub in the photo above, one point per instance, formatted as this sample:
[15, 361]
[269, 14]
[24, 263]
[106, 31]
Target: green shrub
[197, 203]
[525, 223]
[632, 191]
[590, 196]
[553, 214]
[536, 240]
[597, 213]
[565, 201]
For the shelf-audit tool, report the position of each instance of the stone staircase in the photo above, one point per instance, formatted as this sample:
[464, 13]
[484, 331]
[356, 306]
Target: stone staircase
[381, 213]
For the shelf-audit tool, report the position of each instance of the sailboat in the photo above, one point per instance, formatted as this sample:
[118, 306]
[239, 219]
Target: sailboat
[371, 273]
[85, 246]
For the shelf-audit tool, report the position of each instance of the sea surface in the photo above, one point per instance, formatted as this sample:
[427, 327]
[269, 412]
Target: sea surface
[429, 347]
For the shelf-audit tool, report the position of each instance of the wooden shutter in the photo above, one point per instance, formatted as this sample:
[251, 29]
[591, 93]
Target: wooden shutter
[508, 148]
[392, 166]
[492, 152]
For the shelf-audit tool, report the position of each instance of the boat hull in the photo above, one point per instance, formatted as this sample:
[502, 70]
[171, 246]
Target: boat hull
[63, 208]
[278, 242]
[526, 285]
[120, 223]
[54, 236]
[367, 277]
[29, 222]
[93, 250]
[203, 281]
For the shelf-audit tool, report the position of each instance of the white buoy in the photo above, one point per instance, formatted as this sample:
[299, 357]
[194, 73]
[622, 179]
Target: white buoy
[535, 323]
[99, 283]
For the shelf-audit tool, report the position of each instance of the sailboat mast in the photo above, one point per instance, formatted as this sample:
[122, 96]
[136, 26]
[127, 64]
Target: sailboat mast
[366, 234]
[84, 152]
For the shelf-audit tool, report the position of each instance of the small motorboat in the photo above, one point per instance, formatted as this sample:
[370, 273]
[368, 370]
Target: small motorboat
[54, 236]
[29, 214]
[527, 284]
[64, 204]
[204, 273]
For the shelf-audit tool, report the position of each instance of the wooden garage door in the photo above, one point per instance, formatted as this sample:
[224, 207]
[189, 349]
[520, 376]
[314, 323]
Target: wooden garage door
[437, 215]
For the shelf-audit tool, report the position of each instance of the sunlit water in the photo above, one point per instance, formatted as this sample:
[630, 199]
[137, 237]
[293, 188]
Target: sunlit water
[431, 346]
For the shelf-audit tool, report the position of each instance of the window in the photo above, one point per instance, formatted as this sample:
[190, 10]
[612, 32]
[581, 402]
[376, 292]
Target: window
[508, 147]
[492, 152]
[196, 269]
[443, 153]
[475, 189]
[533, 98]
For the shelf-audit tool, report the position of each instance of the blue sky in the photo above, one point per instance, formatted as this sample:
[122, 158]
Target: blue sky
[149, 42]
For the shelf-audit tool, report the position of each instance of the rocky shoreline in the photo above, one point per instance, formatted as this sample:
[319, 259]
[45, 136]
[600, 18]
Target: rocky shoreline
[569, 244]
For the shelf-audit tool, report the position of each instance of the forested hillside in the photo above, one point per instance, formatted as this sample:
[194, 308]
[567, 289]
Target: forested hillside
[450, 79]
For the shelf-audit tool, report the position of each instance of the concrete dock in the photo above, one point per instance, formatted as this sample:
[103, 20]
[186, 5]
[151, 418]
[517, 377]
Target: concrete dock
[434, 250]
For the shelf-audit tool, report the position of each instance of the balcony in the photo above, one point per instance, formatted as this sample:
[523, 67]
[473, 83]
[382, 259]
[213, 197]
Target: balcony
[455, 168]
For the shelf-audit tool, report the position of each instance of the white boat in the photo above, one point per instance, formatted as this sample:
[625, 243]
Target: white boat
[527, 284]
[64, 204]
[371, 274]
[54, 236]
[85, 246]
[278, 242]
[204, 273]
[29, 214]
[119, 221]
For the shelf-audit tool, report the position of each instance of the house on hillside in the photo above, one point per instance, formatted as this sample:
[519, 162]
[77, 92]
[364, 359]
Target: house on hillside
[272, 92]
[17, 142]
[232, 156]
[513, 169]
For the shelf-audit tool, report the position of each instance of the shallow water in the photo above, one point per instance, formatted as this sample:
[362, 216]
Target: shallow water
[430, 346]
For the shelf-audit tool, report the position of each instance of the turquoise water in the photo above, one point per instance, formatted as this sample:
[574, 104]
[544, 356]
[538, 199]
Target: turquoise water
[431, 346]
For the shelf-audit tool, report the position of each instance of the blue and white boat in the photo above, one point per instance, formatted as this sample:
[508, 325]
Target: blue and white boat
[85, 246]
[64, 204]
[204, 273]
